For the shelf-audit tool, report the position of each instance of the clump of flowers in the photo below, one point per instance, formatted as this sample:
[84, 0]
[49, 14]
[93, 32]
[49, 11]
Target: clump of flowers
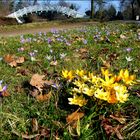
[105, 86]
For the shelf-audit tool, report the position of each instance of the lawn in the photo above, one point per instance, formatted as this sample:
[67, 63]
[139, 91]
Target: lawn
[82, 84]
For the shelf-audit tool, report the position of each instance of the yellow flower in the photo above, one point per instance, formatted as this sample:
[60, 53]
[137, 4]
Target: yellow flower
[100, 94]
[109, 95]
[105, 72]
[121, 92]
[85, 78]
[126, 77]
[80, 85]
[80, 73]
[89, 91]
[112, 98]
[67, 75]
[77, 100]
[121, 89]
[108, 82]
[96, 81]
[90, 75]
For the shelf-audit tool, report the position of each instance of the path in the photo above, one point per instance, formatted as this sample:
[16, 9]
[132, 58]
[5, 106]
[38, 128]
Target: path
[47, 29]
[43, 29]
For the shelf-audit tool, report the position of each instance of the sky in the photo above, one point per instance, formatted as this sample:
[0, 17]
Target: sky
[85, 4]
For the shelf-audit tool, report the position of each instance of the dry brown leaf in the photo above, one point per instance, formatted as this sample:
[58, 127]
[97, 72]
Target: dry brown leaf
[119, 119]
[25, 136]
[83, 50]
[12, 60]
[106, 124]
[9, 58]
[34, 93]
[105, 63]
[123, 36]
[13, 63]
[117, 132]
[23, 72]
[19, 89]
[37, 81]
[34, 125]
[45, 132]
[5, 93]
[110, 130]
[45, 97]
[20, 60]
[74, 116]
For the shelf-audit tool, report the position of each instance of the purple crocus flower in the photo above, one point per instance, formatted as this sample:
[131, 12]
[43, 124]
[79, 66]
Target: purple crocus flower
[49, 40]
[68, 44]
[22, 40]
[85, 41]
[2, 89]
[54, 31]
[21, 49]
[32, 54]
[40, 33]
[45, 33]
[28, 40]
[128, 49]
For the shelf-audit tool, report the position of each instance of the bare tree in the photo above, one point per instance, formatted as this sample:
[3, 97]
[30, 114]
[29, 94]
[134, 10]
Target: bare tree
[5, 6]
[132, 5]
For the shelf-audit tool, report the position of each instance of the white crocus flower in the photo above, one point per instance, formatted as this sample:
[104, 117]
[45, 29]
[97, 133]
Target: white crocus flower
[129, 58]
[48, 57]
[62, 55]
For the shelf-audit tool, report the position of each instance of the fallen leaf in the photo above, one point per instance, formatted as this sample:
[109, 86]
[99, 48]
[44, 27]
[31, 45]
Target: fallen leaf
[105, 63]
[23, 72]
[13, 63]
[12, 60]
[104, 50]
[20, 60]
[18, 89]
[106, 124]
[83, 50]
[74, 116]
[117, 132]
[5, 93]
[123, 36]
[25, 136]
[35, 92]
[34, 125]
[45, 97]
[121, 120]
[37, 81]
[45, 132]
[110, 130]
[9, 58]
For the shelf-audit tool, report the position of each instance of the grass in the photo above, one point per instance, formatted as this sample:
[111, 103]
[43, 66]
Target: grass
[88, 48]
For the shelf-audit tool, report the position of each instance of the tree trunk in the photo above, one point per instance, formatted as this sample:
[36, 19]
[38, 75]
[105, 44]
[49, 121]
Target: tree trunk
[133, 12]
[92, 9]
[138, 1]
[35, 1]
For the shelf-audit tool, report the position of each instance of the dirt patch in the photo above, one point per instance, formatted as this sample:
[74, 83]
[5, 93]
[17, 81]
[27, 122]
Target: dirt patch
[7, 21]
